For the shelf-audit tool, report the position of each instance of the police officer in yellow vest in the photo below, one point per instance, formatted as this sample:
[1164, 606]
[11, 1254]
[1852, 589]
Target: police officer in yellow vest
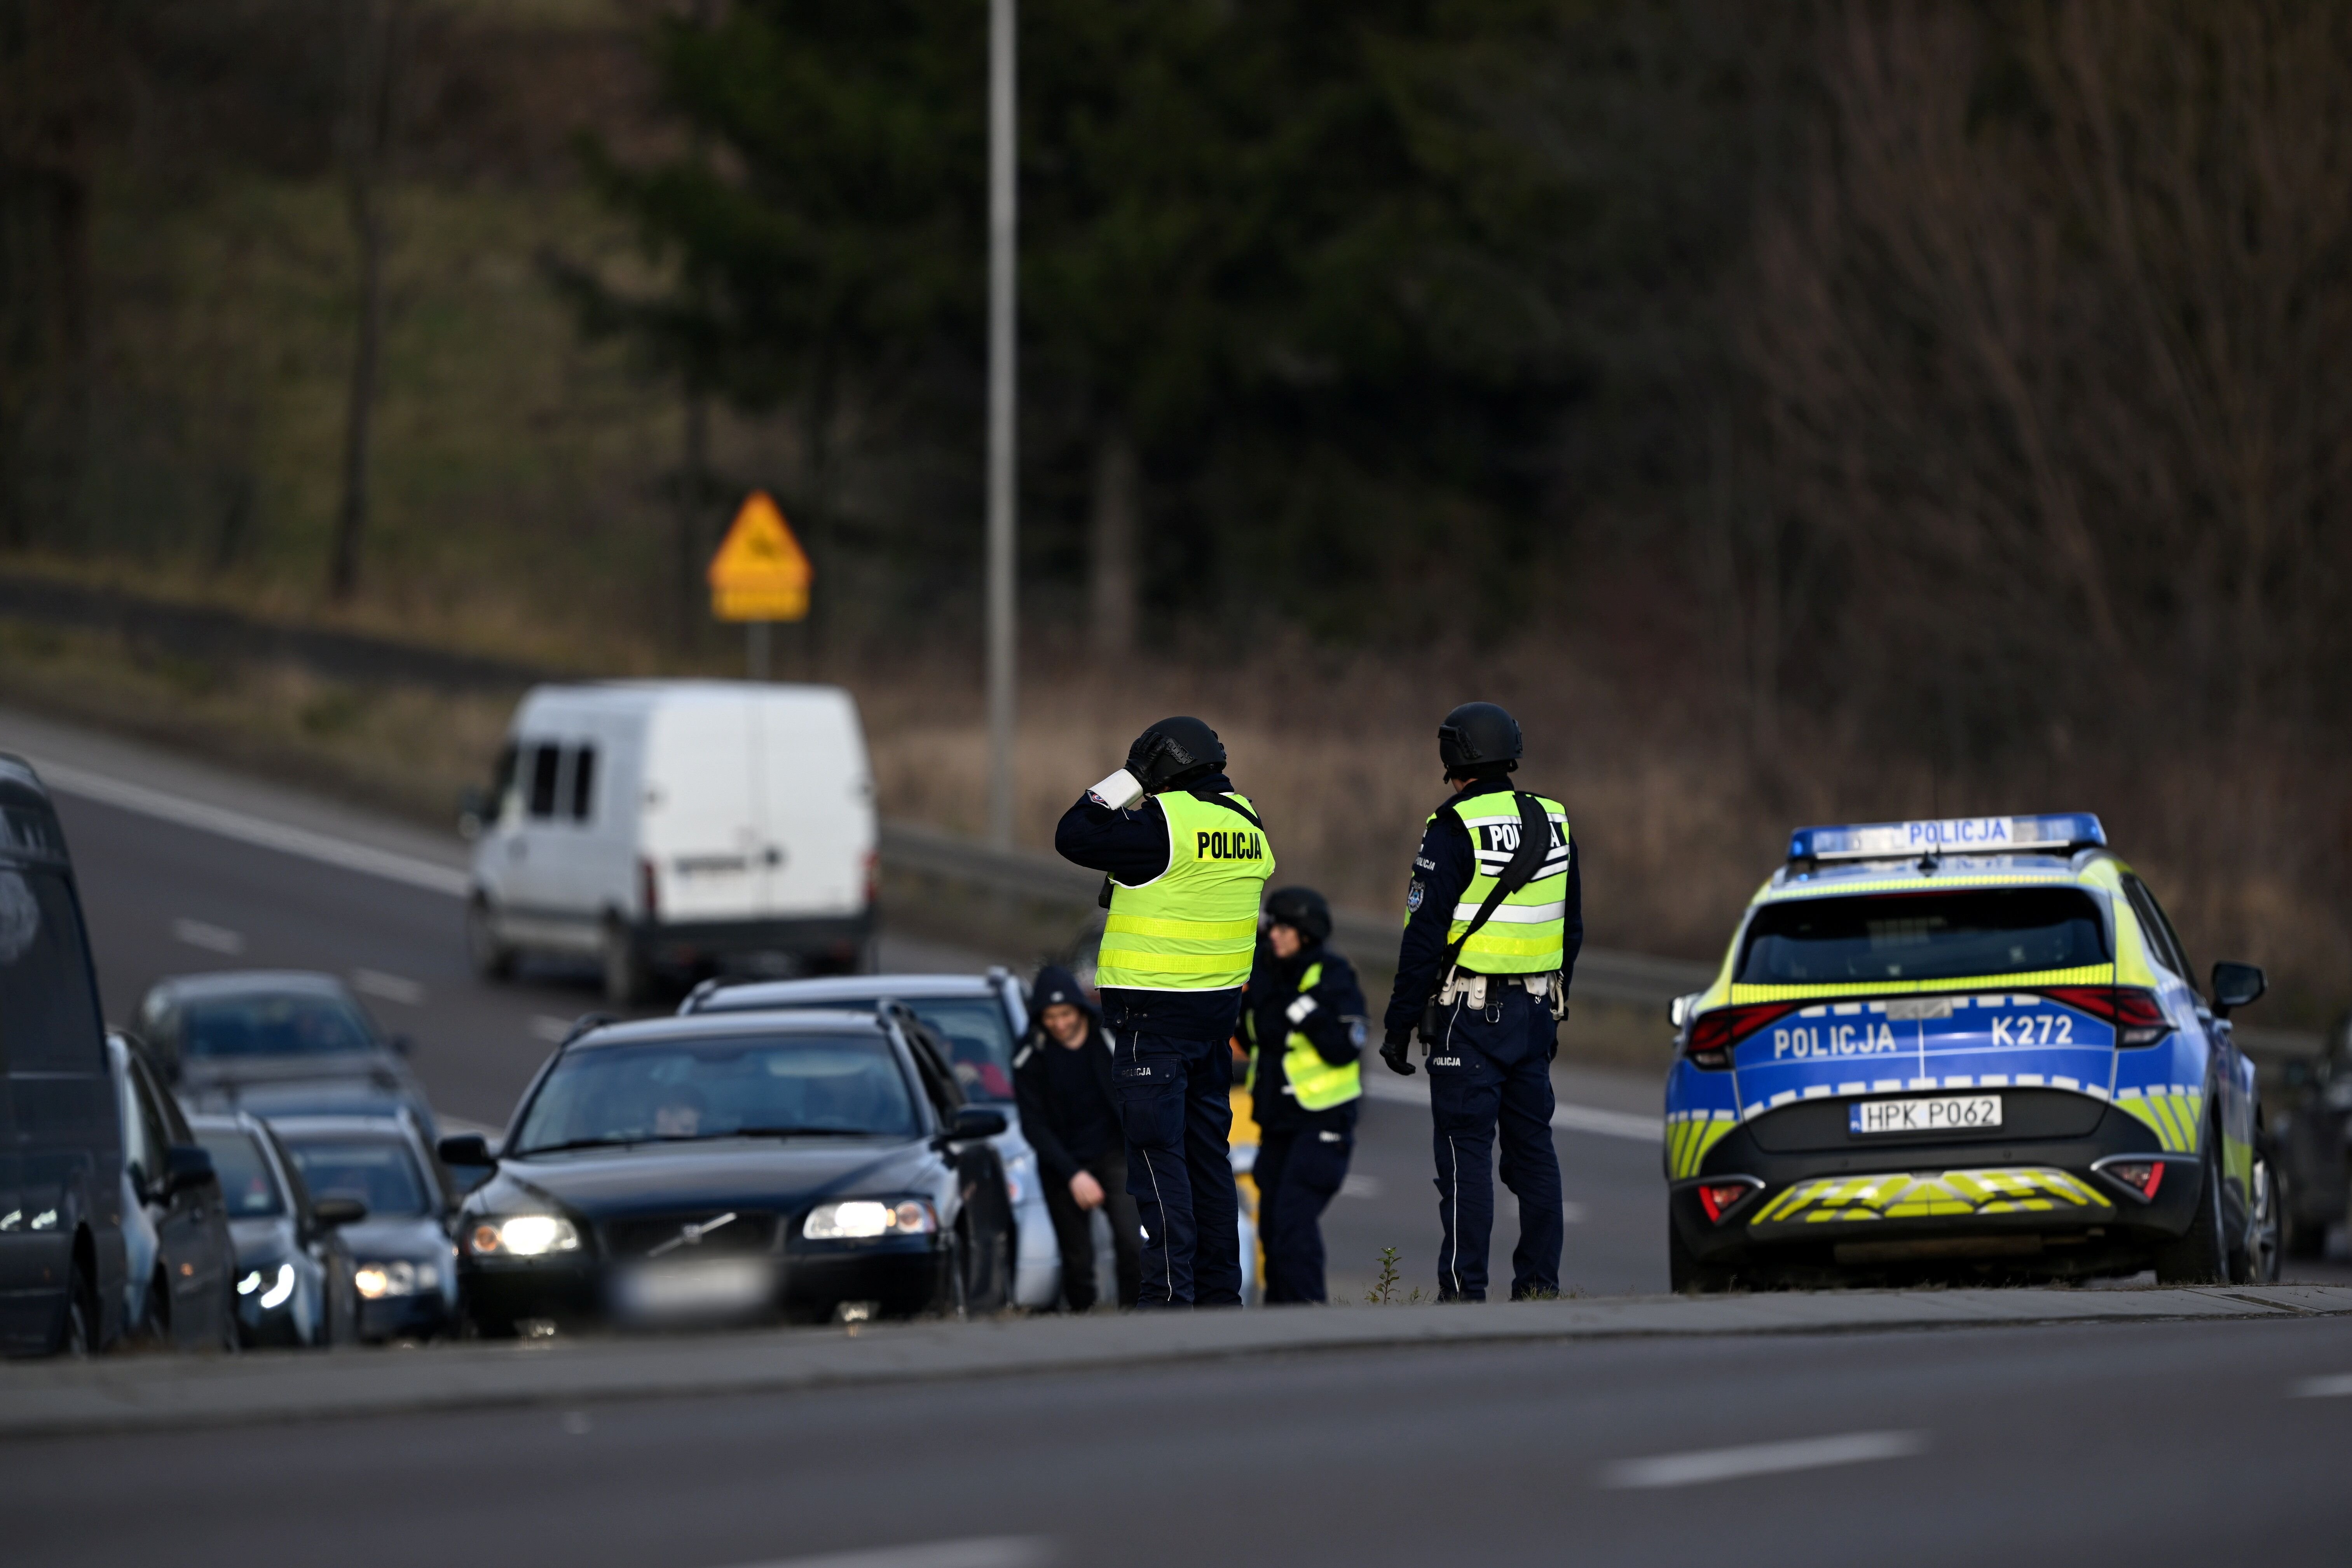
[1490, 940]
[1303, 1020]
[1184, 859]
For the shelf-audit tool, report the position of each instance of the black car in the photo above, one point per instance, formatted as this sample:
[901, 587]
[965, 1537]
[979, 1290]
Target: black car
[2315, 1144]
[179, 1259]
[404, 1265]
[277, 1042]
[294, 1270]
[63, 1264]
[743, 1167]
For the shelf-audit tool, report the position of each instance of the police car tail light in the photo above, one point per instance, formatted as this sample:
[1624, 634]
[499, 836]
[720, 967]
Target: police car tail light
[1719, 1198]
[2139, 1018]
[2141, 1177]
[1712, 1035]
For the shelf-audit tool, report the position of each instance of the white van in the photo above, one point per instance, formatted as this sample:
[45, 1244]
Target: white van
[680, 825]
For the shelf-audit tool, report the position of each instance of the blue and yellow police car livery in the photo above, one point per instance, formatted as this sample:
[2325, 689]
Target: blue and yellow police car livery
[1968, 1045]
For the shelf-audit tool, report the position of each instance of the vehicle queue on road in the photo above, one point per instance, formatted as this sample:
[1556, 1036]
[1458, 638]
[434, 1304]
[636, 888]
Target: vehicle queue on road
[1968, 1047]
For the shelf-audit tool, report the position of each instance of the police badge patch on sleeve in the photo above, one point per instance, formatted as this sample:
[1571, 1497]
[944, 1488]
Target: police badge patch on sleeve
[1412, 896]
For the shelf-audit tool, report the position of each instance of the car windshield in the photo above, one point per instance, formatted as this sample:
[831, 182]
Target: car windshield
[299, 1024]
[248, 1190]
[379, 1171]
[690, 1089]
[1922, 936]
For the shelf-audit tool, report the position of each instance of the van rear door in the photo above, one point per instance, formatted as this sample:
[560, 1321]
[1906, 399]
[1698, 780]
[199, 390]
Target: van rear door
[702, 819]
[815, 793]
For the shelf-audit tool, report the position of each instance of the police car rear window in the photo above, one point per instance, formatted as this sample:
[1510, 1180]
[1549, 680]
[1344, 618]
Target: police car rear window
[1922, 936]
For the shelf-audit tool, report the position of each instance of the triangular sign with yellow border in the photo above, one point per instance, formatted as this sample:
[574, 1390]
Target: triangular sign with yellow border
[761, 573]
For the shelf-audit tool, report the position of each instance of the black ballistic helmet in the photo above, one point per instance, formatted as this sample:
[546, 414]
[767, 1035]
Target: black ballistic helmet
[1174, 751]
[1478, 739]
[1303, 911]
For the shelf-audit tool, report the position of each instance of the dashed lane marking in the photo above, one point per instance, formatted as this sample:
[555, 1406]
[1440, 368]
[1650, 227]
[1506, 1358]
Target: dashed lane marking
[547, 1027]
[2338, 1386]
[388, 987]
[211, 938]
[1708, 1464]
[984, 1552]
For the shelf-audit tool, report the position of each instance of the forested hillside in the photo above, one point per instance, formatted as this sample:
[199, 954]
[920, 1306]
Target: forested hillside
[1798, 410]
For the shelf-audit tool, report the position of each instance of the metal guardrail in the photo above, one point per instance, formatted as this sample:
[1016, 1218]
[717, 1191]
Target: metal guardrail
[1601, 973]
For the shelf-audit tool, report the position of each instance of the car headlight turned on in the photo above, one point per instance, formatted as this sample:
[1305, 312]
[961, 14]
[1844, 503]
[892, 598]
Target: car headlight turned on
[277, 1286]
[522, 1236]
[400, 1277]
[861, 1219]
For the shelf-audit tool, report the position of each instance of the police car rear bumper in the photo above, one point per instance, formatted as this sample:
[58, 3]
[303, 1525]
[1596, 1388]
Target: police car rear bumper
[1851, 1202]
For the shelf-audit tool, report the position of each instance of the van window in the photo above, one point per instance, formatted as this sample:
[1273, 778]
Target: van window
[545, 763]
[502, 782]
[47, 1006]
[583, 783]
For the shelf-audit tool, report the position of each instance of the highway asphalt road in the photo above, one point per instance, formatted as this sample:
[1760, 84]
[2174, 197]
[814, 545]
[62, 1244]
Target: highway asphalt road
[164, 898]
[2154, 1444]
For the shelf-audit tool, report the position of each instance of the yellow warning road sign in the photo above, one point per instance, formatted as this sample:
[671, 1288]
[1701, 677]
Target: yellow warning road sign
[761, 573]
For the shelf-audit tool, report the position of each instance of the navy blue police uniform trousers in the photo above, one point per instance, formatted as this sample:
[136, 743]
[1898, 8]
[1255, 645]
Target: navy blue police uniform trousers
[1175, 1105]
[1299, 1167]
[1491, 1071]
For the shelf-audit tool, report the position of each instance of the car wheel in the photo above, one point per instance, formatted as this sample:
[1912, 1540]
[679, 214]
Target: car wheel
[2201, 1256]
[230, 1342]
[1685, 1275]
[988, 1271]
[491, 958]
[625, 967]
[77, 1327]
[155, 1324]
[2256, 1260]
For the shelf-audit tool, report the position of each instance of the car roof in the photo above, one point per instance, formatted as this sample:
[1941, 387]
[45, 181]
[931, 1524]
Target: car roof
[2094, 868]
[248, 981]
[762, 993]
[343, 1127]
[726, 1026]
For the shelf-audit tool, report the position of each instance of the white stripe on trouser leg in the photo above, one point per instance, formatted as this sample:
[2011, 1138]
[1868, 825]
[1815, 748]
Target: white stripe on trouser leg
[1167, 1258]
[1455, 1230]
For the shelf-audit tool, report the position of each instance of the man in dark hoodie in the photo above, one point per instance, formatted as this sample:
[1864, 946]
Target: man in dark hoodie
[1303, 1017]
[1061, 1077]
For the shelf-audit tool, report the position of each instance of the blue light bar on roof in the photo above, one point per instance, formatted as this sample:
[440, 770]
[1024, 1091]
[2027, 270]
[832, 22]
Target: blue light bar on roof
[2051, 834]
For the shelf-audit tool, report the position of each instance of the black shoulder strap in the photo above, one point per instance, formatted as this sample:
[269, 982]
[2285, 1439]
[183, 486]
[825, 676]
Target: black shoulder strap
[1535, 847]
[1237, 808]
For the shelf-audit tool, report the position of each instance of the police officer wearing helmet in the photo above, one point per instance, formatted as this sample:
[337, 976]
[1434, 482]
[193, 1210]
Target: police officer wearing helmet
[1184, 858]
[1494, 919]
[1302, 1019]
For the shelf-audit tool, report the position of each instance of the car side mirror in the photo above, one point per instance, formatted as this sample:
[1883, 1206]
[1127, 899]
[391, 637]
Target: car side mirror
[186, 1167]
[974, 1121]
[335, 1212]
[2236, 986]
[465, 1149]
[473, 813]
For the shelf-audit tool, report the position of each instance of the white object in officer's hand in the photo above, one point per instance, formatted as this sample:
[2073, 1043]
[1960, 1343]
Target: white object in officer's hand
[1299, 1010]
[1118, 791]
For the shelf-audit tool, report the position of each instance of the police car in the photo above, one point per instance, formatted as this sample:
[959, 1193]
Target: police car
[1966, 1048]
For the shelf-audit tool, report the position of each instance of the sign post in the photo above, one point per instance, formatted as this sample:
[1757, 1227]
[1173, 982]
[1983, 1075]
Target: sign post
[760, 574]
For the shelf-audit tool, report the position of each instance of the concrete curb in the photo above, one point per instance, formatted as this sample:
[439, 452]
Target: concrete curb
[144, 1394]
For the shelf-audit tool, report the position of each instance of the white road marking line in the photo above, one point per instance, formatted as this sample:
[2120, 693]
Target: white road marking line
[547, 1027]
[390, 987]
[1708, 1464]
[1589, 1118]
[211, 938]
[2336, 1387]
[236, 824]
[1360, 1187]
[450, 1124]
[986, 1552]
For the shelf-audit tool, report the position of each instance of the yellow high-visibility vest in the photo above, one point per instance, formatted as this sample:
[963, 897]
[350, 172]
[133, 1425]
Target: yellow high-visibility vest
[1194, 926]
[1526, 933]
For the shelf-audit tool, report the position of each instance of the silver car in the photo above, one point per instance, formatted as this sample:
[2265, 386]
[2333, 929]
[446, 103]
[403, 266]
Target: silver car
[404, 1264]
[979, 1016]
[293, 1267]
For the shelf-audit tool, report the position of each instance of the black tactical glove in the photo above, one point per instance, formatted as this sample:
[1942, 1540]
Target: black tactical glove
[1393, 1049]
